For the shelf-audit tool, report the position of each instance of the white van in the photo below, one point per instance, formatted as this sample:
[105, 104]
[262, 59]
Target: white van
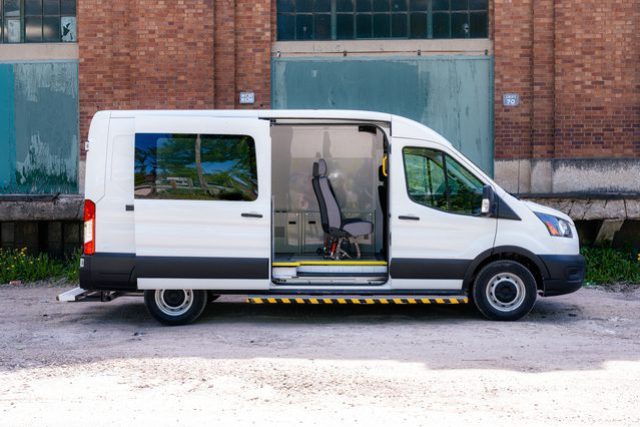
[308, 206]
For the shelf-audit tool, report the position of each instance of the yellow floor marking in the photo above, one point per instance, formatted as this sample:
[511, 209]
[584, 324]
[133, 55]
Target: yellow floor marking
[328, 301]
[397, 301]
[369, 301]
[426, 301]
[453, 301]
[465, 300]
[411, 301]
[341, 301]
[384, 301]
[257, 300]
[439, 300]
[286, 300]
[299, 300]
[355, 301]
[313, 300]
[271, 300]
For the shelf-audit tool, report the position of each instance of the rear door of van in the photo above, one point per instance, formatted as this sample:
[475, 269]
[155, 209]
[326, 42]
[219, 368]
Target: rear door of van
[202, 202]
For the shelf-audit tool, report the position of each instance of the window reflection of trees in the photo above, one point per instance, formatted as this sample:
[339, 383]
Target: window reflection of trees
[190, 166]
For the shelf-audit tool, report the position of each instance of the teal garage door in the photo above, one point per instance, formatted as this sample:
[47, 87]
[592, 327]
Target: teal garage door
[39, 127]
[452, 95]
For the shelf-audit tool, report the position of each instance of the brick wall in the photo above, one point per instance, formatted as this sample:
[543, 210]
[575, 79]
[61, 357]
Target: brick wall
[155, 54]
[575, 65]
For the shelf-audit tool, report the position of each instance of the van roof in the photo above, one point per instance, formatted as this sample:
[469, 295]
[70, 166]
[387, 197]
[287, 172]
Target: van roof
[400, 126]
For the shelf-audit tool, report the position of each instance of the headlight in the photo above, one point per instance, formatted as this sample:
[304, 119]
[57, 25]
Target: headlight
[556, 226]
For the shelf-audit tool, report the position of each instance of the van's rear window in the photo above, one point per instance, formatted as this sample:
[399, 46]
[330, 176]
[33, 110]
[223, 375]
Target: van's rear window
[195, 167]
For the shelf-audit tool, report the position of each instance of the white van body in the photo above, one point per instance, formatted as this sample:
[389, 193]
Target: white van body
[140, 241]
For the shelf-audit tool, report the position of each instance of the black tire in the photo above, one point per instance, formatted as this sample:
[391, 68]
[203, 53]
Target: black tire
[212, 297]
[504, 290]
[175, 307]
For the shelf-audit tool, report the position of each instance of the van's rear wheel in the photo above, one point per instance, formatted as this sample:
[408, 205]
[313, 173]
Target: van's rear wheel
[505, 290]
[175, 306]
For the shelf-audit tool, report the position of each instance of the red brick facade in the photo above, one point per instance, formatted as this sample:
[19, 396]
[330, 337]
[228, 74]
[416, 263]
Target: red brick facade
[576, 66]
[574, 63]
[150, 54]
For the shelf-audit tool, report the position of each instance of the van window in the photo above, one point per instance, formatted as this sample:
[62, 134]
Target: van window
[195, 166]
[436, 180]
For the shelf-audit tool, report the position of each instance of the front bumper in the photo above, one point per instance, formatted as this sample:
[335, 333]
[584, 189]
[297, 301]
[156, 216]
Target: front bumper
[566, 274]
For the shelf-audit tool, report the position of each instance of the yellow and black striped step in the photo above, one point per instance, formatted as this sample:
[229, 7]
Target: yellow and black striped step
[358, 301]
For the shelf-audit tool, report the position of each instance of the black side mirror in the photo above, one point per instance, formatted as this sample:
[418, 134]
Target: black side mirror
[488, 201]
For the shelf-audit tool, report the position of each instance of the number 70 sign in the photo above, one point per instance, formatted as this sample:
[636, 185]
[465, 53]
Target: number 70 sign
[510, 99]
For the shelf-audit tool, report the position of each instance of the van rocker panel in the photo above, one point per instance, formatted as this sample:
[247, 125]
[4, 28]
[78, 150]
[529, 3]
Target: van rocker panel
[116, 271]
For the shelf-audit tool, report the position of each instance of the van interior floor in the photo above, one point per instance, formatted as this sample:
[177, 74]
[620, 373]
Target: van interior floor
[313, 269]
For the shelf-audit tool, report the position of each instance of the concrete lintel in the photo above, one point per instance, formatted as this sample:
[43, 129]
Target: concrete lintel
[61, 208]
[25, 52]
[373, 47]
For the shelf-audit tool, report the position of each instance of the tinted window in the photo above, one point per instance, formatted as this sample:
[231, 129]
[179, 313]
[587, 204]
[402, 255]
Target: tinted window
[436, 180]
[198, 167]
[37, 21]
[381, 19]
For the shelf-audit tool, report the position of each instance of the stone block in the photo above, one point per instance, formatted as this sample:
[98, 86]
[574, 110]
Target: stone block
[633, 209]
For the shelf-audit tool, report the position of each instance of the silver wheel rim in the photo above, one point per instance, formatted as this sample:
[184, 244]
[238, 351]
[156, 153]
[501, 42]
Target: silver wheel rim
[505, 292]
[174, 302]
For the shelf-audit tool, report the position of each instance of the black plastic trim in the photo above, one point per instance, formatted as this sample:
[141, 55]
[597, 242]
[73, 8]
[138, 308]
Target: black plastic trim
[118, 271]
[505, 211]
[202, 268]
[499, 250]
[419, 268]
[566, 274]
[113, 271]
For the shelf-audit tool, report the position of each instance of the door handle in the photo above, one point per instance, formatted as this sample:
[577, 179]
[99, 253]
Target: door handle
[251, 215]
[409, 217]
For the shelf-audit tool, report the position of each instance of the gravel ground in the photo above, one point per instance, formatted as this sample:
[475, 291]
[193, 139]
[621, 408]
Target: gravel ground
[574, 360]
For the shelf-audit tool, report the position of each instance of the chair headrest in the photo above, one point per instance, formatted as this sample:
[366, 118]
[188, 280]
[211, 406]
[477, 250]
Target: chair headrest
[320, 168]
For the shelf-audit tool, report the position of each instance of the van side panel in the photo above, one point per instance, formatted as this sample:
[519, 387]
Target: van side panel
[94, 186]
[115, 232]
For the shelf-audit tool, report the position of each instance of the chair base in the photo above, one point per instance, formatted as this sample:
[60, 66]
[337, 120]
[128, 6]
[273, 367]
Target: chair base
[335, 251]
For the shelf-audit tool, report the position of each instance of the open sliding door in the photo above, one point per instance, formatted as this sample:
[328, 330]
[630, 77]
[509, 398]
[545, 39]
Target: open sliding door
[202, 202]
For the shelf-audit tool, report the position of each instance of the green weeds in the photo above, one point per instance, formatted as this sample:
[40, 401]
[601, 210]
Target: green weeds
[18, 265]
[607, 265]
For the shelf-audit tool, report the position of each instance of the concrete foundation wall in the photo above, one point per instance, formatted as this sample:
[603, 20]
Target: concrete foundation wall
[569, 175]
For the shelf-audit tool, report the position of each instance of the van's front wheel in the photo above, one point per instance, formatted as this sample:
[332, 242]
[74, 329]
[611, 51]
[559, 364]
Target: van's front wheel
[175, 306]
[504, 290]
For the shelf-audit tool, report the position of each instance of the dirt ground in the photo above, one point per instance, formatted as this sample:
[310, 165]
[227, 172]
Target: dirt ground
[574, 360]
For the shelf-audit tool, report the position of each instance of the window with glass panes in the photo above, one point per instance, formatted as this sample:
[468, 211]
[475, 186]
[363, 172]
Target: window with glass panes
[381, 19]
[37, 21]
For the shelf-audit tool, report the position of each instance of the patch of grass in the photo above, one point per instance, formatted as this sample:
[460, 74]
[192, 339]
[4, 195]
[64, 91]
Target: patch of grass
[608, 265]
[18, 265]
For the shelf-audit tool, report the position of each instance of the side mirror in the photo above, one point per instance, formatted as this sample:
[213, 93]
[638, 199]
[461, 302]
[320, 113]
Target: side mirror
[488, 201]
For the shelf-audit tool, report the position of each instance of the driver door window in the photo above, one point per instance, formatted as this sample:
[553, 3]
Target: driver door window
[436, 180]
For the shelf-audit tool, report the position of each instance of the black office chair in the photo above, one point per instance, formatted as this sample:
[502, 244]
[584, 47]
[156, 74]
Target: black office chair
[337, 228]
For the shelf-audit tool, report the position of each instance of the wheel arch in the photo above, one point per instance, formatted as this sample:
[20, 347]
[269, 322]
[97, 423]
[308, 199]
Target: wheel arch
[512, 253]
